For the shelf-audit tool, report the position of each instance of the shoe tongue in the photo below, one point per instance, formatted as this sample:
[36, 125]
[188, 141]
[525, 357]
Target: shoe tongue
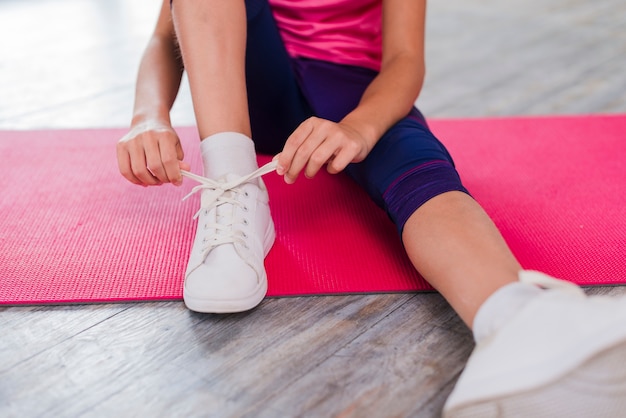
[224, 213]
[227, 178]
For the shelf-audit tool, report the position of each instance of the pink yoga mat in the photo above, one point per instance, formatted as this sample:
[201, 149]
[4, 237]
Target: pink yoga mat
[73, 230]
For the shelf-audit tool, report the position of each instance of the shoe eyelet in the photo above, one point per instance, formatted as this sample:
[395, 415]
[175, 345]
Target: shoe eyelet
[244, 235]
[206, 227]
[245, 222]
[245, 208]
[246, 194]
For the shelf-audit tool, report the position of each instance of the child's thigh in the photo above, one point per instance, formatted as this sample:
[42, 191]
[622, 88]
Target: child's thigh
[407, 145]
[275, 102]
[407, 167]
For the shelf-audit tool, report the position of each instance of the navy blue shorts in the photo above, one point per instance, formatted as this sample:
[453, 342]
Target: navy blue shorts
[406, 168]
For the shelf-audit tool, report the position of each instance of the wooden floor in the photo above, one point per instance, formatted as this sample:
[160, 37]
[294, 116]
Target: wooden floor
[72, 63]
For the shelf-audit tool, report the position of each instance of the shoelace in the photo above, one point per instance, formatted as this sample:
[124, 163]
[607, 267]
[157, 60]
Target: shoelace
[222, 192]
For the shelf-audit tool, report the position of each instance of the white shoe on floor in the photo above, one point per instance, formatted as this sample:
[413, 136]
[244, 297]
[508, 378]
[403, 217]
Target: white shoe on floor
[235, 232]
[562, 355]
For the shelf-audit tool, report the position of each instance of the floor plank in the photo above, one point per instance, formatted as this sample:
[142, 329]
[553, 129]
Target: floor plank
[33, 330]
[398, 376]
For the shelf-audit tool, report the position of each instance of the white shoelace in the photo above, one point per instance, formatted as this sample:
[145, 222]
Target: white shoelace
[222, 193]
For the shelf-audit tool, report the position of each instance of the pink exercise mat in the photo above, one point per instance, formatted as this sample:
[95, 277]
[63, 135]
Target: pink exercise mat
[73, 230]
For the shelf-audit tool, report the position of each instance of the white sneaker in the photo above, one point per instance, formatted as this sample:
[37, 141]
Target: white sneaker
[235, 232]
[562, 355]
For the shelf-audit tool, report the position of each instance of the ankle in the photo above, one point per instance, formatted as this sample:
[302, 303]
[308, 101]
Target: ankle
[228, 153]
[501, 306]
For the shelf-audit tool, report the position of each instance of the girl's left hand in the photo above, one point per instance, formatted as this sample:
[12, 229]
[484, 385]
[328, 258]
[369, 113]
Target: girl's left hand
[317, 142]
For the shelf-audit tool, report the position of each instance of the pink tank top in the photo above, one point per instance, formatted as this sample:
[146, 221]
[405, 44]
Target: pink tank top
[340, 31]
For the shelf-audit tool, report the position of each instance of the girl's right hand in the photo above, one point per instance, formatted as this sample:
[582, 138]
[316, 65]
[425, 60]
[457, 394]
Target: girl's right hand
[150, 154]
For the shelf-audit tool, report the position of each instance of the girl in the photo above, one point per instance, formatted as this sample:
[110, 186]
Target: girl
[332, 83]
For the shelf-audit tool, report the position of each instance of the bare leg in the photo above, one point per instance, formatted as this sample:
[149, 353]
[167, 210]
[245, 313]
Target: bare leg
[536, 360]
[457, 248]
[212, 39]
[225, 272]
[450, 239]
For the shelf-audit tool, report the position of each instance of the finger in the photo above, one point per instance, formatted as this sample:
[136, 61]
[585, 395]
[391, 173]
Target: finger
[306, 150]
[350, 152]
[341, 160]
[169, 159]
[303, 155]
[322, 154]
[140, 167]
[292, 144]
[123, 163]
[154, 160]
[180, 153]
[184, 165]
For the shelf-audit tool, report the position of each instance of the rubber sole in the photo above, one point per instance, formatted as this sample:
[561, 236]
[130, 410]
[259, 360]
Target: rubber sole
[241, 304]
[596, 388]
